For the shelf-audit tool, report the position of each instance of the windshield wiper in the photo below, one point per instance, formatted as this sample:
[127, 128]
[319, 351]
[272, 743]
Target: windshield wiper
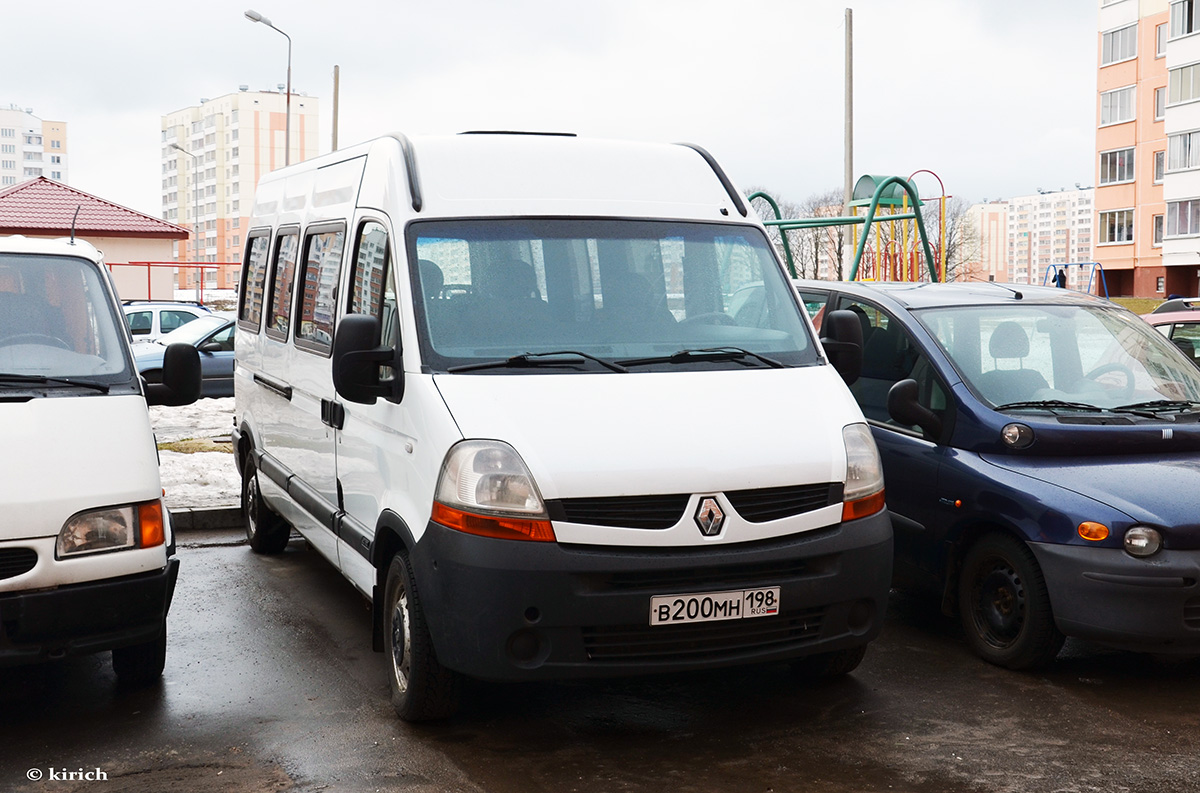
[1157, 406]
[1050, 404]
[707, 354]
[532, 359]
[16, 380]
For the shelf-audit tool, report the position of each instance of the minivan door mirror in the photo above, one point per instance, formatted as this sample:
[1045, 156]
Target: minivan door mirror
[843, 343]
[180, 378]
[357, 358]
[905, 407]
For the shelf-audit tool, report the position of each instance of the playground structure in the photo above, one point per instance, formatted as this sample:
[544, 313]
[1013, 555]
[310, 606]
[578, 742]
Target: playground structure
[900, 253]
[1096, 269]
[156, 289]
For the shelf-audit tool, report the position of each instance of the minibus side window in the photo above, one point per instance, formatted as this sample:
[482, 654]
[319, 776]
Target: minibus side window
[254, 278]
[371, 289]
[319, 276]
[279, 306]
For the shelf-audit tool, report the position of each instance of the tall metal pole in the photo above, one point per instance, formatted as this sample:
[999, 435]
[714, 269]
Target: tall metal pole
[849, 126]
[336, 82]
[254, 16]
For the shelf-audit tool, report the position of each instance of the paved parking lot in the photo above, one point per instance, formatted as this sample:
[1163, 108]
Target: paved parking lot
[271, 685]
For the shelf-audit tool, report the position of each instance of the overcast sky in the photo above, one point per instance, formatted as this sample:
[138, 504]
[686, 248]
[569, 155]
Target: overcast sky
[997, 98]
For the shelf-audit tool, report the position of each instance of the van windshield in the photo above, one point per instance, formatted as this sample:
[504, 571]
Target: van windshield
[56, 320]
[635, 292]
[1029, 355]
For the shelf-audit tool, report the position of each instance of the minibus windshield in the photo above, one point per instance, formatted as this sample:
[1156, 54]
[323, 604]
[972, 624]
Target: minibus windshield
[647, 295]
[1030, 356]
[57, 321]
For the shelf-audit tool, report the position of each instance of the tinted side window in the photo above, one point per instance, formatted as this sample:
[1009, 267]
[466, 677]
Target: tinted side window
[140, 322]
[279, 307]
[889, 355]
[371, 285]
[170, 320]
[254, 277]
[322, 266]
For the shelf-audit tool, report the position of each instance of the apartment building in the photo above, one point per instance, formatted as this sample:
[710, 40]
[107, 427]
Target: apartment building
[1024, 240]
[31, 147]
[212, 157]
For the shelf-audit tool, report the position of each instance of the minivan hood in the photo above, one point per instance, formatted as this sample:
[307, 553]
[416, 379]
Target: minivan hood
[667, 432]
[64, 455]
[1158, 489]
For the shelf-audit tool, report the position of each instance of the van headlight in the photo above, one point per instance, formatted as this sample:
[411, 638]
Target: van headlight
[863, 494]
[112, 529]
[485, 488]
[1142, 541]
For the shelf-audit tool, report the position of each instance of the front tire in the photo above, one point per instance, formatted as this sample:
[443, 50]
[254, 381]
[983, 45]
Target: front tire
[266, 532]
[1004, 605]
[141, 664]
[422, 689]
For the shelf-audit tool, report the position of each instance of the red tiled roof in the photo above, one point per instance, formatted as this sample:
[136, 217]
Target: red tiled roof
[42, 206]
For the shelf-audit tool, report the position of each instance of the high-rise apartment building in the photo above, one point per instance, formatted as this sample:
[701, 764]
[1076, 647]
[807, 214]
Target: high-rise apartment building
[31, 147]
[212, 156]
[1022, 240]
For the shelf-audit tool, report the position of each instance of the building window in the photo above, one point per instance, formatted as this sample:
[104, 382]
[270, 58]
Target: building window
[1183, 151]
[1160, 159]
[1116, 106]
[1183, 84]
[56, 175]
[1160, 104]
[56, 144]
[1183, 218]
[1118, 45]
[1116, 226]
[1160, 40]
[1183, 18]
[1158, 230]
[1115, 166]
[1159, 283]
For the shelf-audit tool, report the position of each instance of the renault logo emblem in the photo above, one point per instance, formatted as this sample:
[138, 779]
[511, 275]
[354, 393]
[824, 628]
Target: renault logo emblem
[709, 517]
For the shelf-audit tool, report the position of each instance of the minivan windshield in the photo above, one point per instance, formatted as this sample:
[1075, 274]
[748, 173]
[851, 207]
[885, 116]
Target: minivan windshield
[646, 295]
[57, 321]
[1028, 356]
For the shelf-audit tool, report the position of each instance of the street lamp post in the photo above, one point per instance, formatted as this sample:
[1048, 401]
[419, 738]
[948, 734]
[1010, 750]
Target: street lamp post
[254, 16]
[195, 209]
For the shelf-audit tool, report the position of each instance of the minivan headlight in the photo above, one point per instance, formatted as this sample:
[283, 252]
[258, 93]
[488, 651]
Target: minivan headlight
[863, 494]
[1142, 541]
[112, 529]
[485, 488]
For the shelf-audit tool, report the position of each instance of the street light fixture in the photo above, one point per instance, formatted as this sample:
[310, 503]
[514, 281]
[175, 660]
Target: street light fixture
[195, 207]
[254, 16]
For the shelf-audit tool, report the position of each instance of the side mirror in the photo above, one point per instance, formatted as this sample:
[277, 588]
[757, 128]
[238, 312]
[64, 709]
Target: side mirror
[180, 378]
[210, 346]
[903, 406]
[356, 362]
[843, 343]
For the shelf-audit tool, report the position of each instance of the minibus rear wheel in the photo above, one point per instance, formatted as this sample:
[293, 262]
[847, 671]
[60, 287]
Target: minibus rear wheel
[267, 532]
[422, 689]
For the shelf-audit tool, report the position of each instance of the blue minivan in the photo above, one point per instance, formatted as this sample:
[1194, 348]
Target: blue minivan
[1041, 449]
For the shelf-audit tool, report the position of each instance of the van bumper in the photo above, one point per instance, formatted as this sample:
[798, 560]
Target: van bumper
[85, 618]
[515, 610]
[1107, 596]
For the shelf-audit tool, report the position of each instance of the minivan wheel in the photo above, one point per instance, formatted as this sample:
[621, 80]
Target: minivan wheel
[1004, 605]
[141, 664]
[422, 689]
[267, 532]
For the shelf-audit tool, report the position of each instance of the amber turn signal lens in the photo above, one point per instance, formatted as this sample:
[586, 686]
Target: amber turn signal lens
[490, 526]
[1093, 531]
[861, 508]
[150, 524]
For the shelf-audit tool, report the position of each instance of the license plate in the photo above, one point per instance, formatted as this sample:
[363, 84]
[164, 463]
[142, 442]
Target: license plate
[712, 606]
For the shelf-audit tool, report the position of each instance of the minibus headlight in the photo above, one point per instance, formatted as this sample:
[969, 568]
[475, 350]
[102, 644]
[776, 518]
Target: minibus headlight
[112, 529]
[863, 494]
[485, 488]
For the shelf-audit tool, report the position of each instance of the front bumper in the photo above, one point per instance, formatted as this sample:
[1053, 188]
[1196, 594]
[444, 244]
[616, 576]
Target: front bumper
[511, 610]
[85, 618]
[1107, 596]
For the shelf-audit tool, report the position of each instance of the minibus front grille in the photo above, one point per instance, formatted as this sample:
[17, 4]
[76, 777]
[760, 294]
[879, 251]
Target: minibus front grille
[707, 641]
[16, 561]
[774, 503]
[634, 512]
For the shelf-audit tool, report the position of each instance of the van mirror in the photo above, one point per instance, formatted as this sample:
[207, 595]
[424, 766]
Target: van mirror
[843, 343]
[180, 378]
[903, 406]
[357, 359]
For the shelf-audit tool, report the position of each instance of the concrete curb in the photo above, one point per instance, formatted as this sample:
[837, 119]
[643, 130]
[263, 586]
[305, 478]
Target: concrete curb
[205, 518]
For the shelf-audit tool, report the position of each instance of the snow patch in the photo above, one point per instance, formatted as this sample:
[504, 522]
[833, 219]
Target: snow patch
[203, 479]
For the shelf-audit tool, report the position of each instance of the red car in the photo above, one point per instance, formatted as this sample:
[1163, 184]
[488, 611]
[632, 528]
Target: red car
[1181, 327]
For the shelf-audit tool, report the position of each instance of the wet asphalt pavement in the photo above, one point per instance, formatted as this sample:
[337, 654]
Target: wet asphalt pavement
[271, 685]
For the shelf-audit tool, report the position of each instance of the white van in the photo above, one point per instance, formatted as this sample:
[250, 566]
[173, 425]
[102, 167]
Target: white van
[553, 407]
[87, 555]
